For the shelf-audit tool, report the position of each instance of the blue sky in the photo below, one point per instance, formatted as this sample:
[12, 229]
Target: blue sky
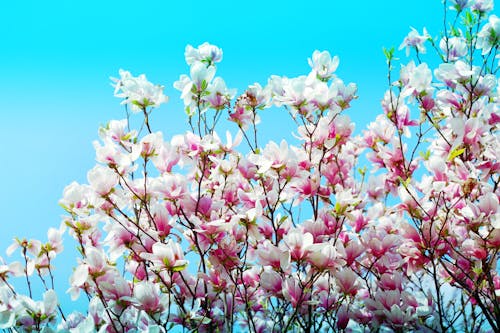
[57, 56]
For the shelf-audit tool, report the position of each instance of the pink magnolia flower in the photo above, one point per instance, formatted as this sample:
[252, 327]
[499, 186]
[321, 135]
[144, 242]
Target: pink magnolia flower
[117, 131]
[166, 157]
[94, 265]
[167, 256]
[298, 243]
[270, 255]
[347, 281]
[294, 291]
[220, 96]
[149, 297]
[453, 73]
[32, 246]
[325, 256]
[271, 281]
[14, 269]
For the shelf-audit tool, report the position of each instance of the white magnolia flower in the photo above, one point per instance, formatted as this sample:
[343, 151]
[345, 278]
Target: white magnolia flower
[488, 37]
[205, 53]
[138, 91]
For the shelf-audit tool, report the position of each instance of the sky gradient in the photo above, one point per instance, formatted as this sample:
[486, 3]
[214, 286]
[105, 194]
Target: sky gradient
[56, 59]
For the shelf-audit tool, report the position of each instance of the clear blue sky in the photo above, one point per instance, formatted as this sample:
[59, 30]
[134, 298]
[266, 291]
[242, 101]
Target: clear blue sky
[56, 58]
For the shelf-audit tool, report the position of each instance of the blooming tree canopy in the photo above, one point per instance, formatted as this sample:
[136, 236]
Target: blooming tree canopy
[207, 232]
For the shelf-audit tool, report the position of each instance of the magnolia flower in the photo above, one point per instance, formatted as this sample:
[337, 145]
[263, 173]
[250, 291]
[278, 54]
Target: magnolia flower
[205, 53]
[460, 5]
[414, 39]
[453, 47]
[220, 95]
[298, 243]
[294, 291]
[33, 246]
[117, 131]
[41, 312]
[273, 157]
[94, 264]
[102, 179]
[453, 73]
[420, 78]
[271, 281]
[77, 322]
[148, 146]
[347, 281]
[323, 65]
[270, 255]
[289, 92]
[201, 76]
[324, 256]
[482, 6]
[138, 92]
[167, 255]
[489, 36]
[149, 296]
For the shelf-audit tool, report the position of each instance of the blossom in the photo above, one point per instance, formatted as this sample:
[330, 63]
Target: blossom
[454, 48]
[117, 131]
[219, 96]
[460, 5]
[420, 78]
[323, 65]
[271, 281]
[324, 256]
[415, 40]
[489, 36]
[102, 179]
[167, 255]
[205, 53]
[453, 73]
[38, 313]
[138, 92]
[347, 281]
[298, 243]
[482, 6]
[148, 296]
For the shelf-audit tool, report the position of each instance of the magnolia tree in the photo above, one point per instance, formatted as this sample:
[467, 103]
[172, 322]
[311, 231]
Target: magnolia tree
[201, 233]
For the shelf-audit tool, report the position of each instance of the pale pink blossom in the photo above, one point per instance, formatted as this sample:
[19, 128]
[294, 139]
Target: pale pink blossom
[167, 255]
[323, 65]
[102, 179]
[454, 48]
[415, 40]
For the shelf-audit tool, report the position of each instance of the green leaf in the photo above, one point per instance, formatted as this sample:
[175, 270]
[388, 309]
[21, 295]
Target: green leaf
[477, 270]
[204, 85]
[388, 53]
[425, 155]
[179, 268]
[454, 153]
